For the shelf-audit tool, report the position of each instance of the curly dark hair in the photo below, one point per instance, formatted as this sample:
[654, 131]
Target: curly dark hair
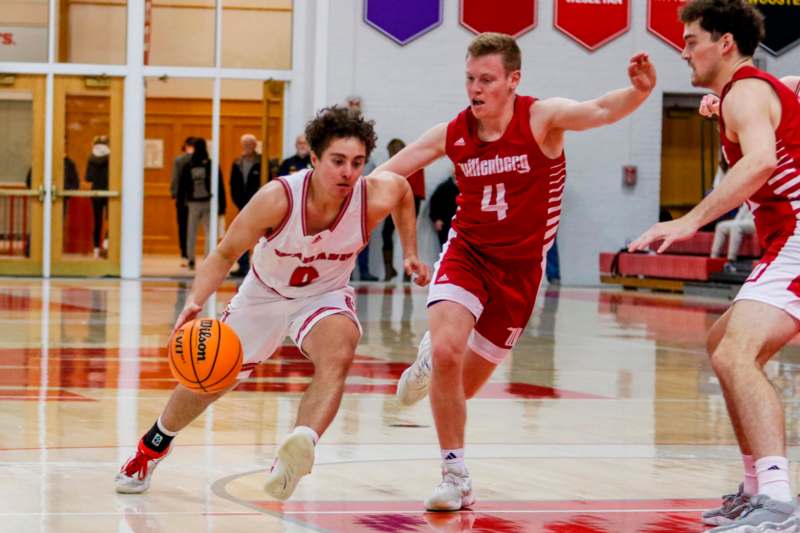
[339, 122]
[737, 17]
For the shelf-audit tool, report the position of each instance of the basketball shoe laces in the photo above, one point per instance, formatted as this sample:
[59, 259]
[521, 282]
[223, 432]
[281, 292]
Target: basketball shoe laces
[139, 464]
[450, 478]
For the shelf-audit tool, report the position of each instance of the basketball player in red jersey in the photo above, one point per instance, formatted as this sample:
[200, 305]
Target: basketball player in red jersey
[509, 158]
[759, 121]
[709, 105]
[307, 229]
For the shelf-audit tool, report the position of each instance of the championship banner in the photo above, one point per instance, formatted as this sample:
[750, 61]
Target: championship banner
[592, 24]
[782, 21]
[515, 17]
[403, 21]
[663, 21]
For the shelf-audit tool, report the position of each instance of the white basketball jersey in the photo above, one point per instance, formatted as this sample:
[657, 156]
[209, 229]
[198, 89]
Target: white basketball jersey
[295, 264]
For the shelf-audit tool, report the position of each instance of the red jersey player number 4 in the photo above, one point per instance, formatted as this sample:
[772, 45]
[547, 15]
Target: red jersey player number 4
[508, 153]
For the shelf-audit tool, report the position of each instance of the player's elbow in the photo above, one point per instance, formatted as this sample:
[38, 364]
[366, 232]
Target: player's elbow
[765, 162]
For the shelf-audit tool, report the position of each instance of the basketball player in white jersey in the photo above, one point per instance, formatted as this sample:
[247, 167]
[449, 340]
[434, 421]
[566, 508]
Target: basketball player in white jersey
[308, 229]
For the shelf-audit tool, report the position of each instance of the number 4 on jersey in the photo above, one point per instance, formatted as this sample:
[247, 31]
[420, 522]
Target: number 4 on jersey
[499, 206]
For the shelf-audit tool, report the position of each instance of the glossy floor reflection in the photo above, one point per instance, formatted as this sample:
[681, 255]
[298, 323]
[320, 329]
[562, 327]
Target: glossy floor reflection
[606, 419]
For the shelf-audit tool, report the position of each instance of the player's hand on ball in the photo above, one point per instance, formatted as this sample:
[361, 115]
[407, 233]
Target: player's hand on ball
[709, 105]
[642, 73]
[189, 313]
[419, 271]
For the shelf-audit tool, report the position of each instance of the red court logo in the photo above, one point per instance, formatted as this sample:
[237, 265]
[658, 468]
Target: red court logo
[7, 39]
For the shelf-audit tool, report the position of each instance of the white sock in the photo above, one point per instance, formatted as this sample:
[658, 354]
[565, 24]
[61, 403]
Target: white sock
[773, 478]
[308, 431]
[453, 457]
[164, 430]
[750, 483]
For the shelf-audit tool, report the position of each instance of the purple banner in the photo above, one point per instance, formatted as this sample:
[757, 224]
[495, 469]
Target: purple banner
[403, 20]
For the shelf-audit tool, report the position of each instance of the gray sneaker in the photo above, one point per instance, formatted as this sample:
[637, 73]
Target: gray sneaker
[732, 506]
[764, 515]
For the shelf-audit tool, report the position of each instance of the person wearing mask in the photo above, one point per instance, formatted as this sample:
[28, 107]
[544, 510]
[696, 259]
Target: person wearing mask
[97, 175]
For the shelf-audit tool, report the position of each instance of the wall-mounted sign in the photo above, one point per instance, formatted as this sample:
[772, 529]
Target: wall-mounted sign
[23, 43]
[782, 24]
[592, 24]
[403, 21]
[515, 18]
[663, 21]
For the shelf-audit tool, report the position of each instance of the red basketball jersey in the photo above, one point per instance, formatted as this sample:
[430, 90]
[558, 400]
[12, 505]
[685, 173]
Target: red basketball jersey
[776, 204]
[510, 192]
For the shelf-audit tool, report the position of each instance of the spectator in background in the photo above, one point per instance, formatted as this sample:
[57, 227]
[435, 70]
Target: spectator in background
[97, 175]
[354, 103]
[300, 160]
[195, 187]
[181, 209]
[245, 182]
[417, 182]
[443, 208]
[743, 224]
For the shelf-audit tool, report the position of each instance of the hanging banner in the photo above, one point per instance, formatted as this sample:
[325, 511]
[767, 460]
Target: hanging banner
[403, 21]
[515, 18]
[592, 24]
[782, 24]
[663, 21]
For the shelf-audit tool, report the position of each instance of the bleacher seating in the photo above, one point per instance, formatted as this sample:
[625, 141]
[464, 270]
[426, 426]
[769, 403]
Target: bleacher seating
[685, 261]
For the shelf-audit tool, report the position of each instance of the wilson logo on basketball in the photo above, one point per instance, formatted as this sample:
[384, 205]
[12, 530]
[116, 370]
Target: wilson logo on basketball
[202, 336]
[178, 343]
[475, 167]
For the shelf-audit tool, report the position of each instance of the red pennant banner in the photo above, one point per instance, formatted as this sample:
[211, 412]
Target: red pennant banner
[663, 21]
[592, 24]
[515, 17]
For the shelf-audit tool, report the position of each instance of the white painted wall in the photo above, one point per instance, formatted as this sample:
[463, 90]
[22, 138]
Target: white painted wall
[408, 89]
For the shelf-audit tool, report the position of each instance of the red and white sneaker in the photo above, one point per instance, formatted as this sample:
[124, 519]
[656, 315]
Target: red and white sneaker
[134, 476]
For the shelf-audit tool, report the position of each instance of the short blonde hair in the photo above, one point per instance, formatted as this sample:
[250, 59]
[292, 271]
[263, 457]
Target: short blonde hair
[497, 43]
[249, 137]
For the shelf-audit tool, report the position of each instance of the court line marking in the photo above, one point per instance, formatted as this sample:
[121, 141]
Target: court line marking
[359, 512]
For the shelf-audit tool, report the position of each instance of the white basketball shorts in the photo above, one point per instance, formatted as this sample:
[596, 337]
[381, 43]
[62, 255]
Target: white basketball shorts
[263, 319]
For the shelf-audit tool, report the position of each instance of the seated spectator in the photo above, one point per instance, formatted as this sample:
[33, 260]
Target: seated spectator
[734, 230]
[300, 160]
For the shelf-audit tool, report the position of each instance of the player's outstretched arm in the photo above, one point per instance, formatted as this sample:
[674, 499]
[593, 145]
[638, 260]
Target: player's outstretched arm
[422, 152]
[747, 112]
[390, 193]
[265, 210]
[569, 115]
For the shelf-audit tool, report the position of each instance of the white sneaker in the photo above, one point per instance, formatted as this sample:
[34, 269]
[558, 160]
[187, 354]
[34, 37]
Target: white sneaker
[454, 492]
[414, 382]
[134, 476]
[294, 460]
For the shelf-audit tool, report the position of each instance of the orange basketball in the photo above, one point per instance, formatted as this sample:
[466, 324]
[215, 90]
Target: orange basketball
[205, 355]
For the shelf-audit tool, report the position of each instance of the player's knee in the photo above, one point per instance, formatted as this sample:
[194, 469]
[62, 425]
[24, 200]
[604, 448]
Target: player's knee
[729, 358]
[447, 355]
[337, 360]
